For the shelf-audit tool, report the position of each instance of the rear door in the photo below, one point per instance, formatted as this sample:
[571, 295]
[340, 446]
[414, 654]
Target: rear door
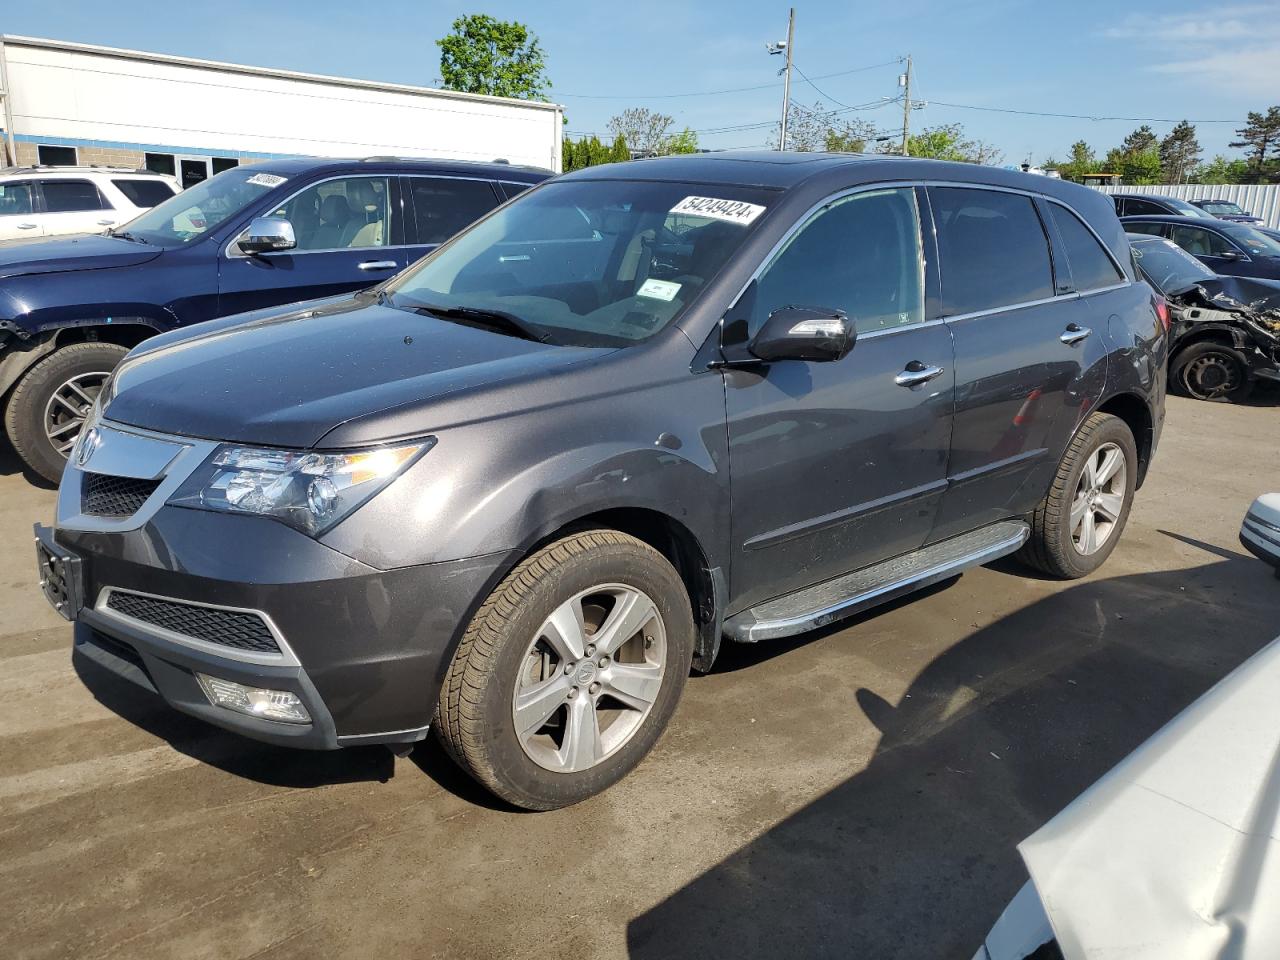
[841, 464]
[350, 235]
[75, 206]
[1025, 363]
[438, 207]
[19, 206]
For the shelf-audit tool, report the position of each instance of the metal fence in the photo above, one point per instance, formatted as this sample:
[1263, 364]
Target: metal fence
[1260, 200]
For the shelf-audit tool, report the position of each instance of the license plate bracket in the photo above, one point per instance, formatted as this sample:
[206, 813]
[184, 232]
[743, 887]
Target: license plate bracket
[60, 574]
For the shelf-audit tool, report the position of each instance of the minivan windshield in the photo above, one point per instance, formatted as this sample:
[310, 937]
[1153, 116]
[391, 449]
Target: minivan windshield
[589, 262]
[1168, 266]
[199, 209]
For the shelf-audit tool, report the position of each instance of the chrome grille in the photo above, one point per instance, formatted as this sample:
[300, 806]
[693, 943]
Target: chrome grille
[107, 496]
[229, 628]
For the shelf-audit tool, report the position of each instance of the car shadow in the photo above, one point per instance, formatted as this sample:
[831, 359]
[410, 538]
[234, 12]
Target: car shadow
[11, 464]
[250, 759]
[914, 854]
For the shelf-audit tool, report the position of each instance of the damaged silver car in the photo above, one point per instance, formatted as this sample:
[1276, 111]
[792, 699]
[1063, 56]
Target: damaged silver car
[1224, 331]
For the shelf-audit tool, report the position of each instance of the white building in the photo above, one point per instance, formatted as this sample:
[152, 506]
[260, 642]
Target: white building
[72, 103]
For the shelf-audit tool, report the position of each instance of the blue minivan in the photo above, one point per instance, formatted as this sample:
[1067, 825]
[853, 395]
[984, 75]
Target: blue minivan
[255, 236]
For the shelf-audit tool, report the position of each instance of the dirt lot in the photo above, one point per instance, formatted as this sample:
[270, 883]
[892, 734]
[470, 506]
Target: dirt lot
[857, 793]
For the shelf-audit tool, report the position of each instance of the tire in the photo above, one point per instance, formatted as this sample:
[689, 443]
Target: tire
[33, 400]
[1211, 371]
[1058, 546]
[508, 645]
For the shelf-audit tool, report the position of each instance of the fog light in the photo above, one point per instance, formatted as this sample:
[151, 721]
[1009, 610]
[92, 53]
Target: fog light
[278, 705]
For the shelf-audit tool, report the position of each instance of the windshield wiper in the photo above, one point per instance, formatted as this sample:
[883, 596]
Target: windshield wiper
[125, 235]
[497, 319]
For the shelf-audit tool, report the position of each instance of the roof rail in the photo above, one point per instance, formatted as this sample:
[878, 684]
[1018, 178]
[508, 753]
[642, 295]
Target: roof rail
[385, 159]
[113, 168]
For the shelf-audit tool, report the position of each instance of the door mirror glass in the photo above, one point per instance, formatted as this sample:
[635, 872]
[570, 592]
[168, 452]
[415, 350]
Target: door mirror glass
[804, 333]
[268, 235]
[1230, 254]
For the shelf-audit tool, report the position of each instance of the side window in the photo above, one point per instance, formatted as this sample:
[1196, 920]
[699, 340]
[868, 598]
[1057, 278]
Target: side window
[1201, 243]
[442, 207]
[1154, 229]
[67, 196]
[348, 213]
[16, 199]
[992, 247]
[1143, 208]
[861, 255]
[144, 193]
[514, 189]
[1091, 268]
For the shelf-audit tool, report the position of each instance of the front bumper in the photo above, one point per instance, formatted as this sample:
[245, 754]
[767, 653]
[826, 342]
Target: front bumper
[365, 650]
[1261, 538]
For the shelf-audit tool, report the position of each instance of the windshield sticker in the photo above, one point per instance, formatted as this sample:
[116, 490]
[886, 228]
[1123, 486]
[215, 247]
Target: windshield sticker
[730, 211]
[266, 180]
[658, 290]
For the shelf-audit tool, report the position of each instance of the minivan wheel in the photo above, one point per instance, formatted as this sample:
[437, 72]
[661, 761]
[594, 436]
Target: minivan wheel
[1079, 522]
[1212, 371]
[51, 400]
[569, 671]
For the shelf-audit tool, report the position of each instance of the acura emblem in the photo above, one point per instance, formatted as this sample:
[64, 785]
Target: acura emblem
[88, 443]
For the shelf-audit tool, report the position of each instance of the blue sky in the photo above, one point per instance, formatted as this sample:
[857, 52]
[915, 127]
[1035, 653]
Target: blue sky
[1168, 60]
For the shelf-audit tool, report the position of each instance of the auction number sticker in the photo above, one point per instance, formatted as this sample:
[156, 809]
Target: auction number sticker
[266, 180]
[658, 289]
[730, 211]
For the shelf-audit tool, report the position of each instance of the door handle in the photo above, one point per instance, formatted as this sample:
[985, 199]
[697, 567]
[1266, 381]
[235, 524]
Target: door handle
[378, 265]
[917, 373]
[1074, 334]
[106, 223]
[27, 226]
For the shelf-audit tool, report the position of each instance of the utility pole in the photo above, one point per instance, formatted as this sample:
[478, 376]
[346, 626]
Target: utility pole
[785, 47]
[906, 106]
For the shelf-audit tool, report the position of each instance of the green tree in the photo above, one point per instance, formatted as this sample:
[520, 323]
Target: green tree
[1140, 141]
[567, 159]
[686, 141]
[947, 141]
[1179, 152]
[816, 128]
[620, 151]
[1082, 161]
[1221, 170]
[1261, 136]
[645, 130]
[485, 55]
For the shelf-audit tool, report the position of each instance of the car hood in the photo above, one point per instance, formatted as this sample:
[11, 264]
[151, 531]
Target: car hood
[289, 379]
[90, 251]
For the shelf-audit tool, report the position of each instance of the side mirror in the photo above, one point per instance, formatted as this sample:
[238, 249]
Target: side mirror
[1230, 255]
[268, 235]
[804, 333]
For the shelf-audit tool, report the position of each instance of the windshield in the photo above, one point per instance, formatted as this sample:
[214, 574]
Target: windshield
[201, 208]
[1255, 243]
[1224, 208]
[607, 262]
[1188, 209]
[1169, 267]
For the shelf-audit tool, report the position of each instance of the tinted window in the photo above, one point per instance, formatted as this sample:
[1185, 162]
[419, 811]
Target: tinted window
[56, 156]
[1091, 268]
[442, 207]
[1143, 208]
[514, 189]
[224, 163]
[1155, 229]
[161, 163]
[144, 193]
[861, 255]
[1201, 243]
[347, 213]
[993, 249]
[16, 199]
[65, 196]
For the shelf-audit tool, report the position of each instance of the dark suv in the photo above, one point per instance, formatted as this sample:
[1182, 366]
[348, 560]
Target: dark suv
[255, 236]
[517, 491]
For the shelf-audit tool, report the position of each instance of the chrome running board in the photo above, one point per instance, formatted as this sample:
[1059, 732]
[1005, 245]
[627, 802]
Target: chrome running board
[844, 596]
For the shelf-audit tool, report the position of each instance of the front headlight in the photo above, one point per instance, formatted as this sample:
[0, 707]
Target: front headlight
[308, 490]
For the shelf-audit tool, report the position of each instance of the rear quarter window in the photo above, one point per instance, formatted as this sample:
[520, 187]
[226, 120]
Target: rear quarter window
[1091, 267]
[144, 193]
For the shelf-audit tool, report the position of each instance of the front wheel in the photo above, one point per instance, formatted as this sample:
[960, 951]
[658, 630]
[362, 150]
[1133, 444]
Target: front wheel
[51, 400]
[1078, 523]
[1212, 371]
[569, 671]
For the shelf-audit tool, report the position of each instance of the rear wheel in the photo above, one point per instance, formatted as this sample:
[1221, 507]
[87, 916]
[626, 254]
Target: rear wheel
[570, 670]
[1212, 371]
[50, 402]
[1078, 523]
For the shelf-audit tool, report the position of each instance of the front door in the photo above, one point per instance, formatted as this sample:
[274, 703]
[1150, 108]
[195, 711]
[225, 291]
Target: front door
[1026, 351]
[350, 235]
[837, 465]
[1214, 250]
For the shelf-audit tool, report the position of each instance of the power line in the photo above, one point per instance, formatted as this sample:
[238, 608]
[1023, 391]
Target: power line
[1069, 116]
[712, 93]
[828, 96]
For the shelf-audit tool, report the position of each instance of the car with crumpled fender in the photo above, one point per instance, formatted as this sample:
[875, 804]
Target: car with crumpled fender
[515, 494]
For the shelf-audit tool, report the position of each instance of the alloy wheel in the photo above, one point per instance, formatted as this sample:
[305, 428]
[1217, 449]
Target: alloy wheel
[1099, 499]
[589, 678]
[65, 413]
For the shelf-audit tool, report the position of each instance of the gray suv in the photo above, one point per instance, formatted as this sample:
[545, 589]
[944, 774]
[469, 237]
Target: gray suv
[517, 492]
